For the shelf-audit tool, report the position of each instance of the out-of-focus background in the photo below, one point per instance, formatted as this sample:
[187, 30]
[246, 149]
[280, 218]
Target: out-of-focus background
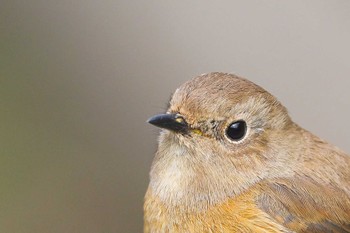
[78, 79]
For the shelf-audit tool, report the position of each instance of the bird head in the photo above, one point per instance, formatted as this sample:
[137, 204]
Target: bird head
[220, 131]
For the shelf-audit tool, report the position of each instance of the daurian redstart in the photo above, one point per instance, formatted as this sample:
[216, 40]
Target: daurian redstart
[230, 159]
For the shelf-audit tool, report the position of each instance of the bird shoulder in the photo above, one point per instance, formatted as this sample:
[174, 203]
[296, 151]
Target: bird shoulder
[303, 205]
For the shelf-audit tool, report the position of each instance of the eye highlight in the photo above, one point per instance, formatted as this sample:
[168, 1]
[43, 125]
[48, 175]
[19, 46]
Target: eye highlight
[237, 130]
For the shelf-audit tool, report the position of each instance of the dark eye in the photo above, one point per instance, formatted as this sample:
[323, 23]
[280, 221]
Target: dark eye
[236, 130]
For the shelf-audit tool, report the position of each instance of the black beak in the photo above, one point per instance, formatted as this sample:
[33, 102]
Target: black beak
[172, 122]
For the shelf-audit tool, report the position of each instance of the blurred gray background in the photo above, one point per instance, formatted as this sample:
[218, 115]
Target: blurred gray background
[78, 79]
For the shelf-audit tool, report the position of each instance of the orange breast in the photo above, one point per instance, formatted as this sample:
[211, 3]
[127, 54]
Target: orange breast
[239, 214]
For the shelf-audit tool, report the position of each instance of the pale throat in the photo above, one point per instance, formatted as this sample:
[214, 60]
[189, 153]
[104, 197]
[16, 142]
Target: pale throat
[179, 176]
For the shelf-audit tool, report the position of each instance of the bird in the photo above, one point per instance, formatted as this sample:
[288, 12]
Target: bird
[231, 159]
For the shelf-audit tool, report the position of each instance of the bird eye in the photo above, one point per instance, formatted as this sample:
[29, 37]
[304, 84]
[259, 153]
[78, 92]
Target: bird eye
[236, 130]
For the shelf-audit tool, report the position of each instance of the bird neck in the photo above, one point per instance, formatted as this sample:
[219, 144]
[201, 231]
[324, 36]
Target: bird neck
[182, 176]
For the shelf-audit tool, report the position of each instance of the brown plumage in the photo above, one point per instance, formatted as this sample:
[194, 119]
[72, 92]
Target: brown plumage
[230, 159]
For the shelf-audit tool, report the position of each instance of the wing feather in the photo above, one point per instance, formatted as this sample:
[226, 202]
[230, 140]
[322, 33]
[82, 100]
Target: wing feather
[303, 205]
